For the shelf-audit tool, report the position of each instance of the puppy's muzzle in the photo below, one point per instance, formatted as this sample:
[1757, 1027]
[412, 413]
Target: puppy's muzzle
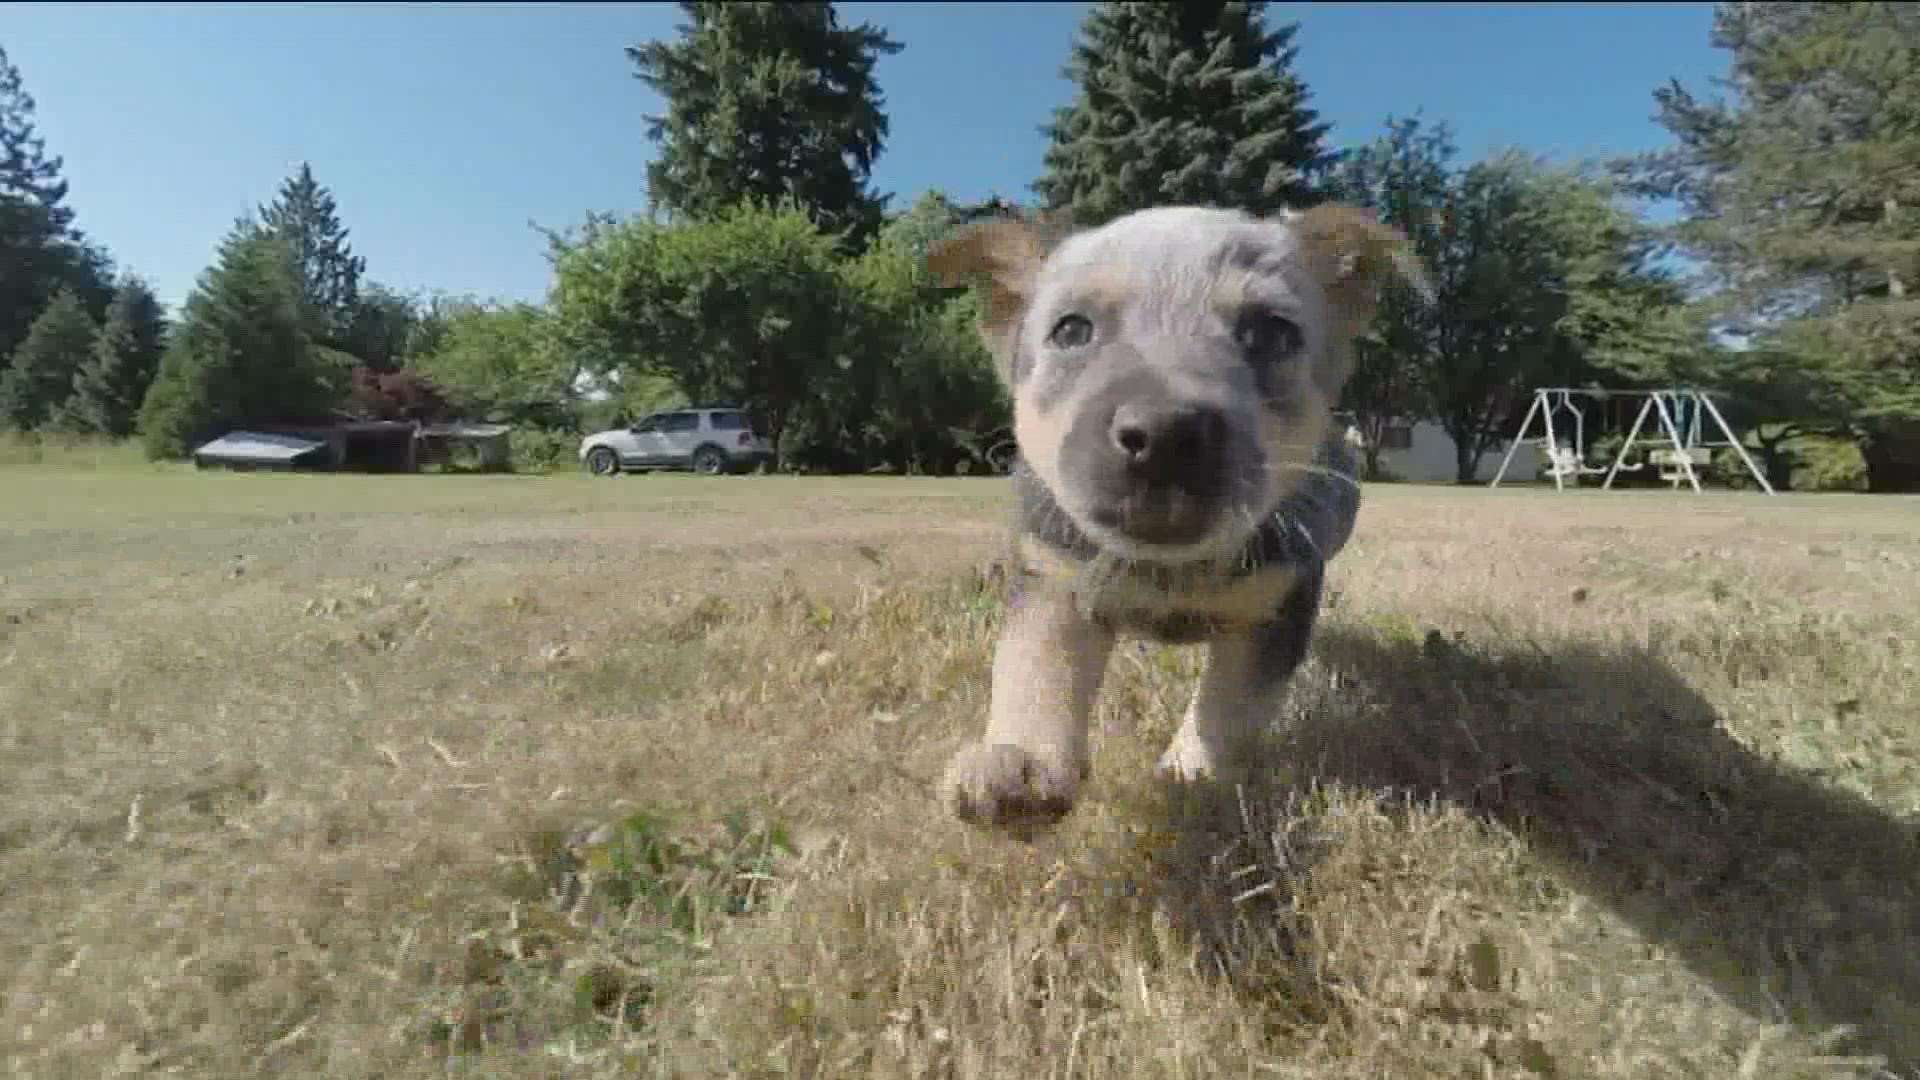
[1169, 445]
[1155, 465]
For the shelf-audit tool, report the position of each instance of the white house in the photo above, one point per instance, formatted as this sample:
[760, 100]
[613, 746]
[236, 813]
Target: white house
[1421, 451]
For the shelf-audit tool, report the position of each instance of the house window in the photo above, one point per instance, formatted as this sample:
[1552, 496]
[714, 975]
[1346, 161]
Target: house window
[1396, 437]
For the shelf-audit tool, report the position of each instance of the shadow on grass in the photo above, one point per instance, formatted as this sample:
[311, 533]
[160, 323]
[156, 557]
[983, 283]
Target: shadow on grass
[1796, 900]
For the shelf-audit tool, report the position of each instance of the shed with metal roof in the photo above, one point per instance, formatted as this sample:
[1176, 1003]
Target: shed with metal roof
[261, 450]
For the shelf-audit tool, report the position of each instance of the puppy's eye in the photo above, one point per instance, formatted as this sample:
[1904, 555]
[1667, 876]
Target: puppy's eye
[1267, 336]
[1071, 332]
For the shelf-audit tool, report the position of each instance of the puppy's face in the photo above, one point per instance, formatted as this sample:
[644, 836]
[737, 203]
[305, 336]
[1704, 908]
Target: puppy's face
[1172, 372]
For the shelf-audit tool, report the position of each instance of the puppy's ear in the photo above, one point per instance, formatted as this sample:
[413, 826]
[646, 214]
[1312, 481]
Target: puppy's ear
[1002, 258]
[1354, 255]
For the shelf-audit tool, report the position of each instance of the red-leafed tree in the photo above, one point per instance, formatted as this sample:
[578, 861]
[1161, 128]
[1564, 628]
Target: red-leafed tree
[398, 395]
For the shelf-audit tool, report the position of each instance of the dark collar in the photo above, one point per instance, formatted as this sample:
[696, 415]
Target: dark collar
[1307, 526]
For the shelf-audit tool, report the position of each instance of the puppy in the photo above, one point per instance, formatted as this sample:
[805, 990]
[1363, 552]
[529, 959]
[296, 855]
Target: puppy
[1179, 475]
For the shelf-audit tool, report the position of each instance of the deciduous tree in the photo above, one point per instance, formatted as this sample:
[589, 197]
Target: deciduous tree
[397, 395]
[1541, 274]
[746, 306]
[1503, 293]
[916, 391]
[506, 362]
[1404, 175]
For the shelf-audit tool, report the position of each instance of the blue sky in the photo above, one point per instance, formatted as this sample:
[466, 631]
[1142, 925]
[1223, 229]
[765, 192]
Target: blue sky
[444, 130]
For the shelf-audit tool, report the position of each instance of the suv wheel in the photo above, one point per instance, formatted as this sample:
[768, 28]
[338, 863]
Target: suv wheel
[602, 461]
[709, 461]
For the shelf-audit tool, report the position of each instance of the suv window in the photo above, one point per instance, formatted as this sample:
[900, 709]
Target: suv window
[680, 422]
[736, 419]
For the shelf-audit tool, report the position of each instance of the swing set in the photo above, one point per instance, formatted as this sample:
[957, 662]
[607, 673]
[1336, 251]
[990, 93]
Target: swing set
[1680, 450]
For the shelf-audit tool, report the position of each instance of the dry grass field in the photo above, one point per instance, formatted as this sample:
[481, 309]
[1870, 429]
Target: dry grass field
[526, 777]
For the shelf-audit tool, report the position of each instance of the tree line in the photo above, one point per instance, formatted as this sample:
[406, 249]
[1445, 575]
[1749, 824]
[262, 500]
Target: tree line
[769, 271]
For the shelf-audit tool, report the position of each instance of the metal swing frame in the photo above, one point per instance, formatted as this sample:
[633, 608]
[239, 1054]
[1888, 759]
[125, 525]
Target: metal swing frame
[1668, 405]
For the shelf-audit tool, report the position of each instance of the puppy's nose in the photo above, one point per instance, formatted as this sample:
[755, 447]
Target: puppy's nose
[1164, 443]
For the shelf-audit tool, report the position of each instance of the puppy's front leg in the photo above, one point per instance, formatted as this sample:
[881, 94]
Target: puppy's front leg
[1244, 678]
[1047, 670]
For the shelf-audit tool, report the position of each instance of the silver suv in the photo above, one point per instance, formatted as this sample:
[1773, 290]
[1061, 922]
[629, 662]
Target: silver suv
[709, 439]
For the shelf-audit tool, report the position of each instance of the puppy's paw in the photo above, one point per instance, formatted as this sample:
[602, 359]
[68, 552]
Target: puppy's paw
[1190, 758]
[1002, 784]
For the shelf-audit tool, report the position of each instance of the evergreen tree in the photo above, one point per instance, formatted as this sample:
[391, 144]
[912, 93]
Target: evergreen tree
[993, 206]
[241, 353]
[382, 329]
[41, 374]
[765, 102]
[1802, 192]
[1182, 103]
[108, 390]
[41, 252]
[26, 170]
[307, 217]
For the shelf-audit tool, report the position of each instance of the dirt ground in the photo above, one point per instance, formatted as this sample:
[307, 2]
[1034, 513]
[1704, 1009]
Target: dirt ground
[549, 776]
